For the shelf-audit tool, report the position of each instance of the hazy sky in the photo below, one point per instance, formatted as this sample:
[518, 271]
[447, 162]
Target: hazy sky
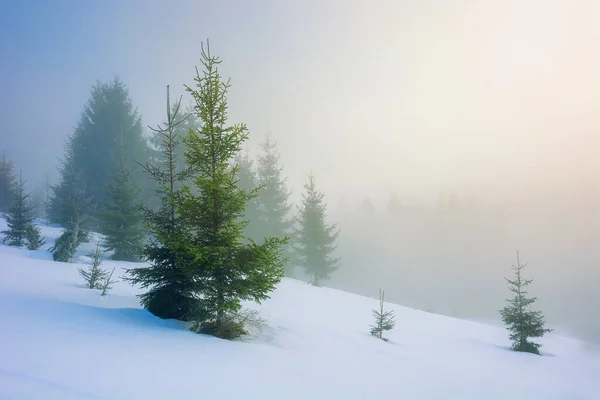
[476, 97]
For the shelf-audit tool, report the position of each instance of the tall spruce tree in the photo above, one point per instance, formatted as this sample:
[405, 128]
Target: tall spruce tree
[108, 115]
[315, 240]
[6, 182]
[121, 220]
[522, 322]
[274, 198]
[170, 294]
[70, 199]
[37, 202]
[248, 182]
[186, 120]
[71, 206]
[225, 270]
[20, 216]
[41, 199]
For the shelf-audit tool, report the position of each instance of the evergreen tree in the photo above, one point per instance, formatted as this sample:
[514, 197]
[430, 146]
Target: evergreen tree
[108, 116]
[121, 221]
[94, 275]
[315, 241]
[72, 205]
[274, 198]
[384, 320]
[248, 182]
[66, 245]
[107, 282]
[47, 198]
[224, 269]
[37, 204]
[394, 209]
[170, 294]
[186, 120]
[6, 183]
[34, 238]
[20, 215]
[522, 322]
[41, 200]
[70, 196]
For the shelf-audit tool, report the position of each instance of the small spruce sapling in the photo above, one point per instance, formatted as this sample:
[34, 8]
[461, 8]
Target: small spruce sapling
[34, 238]
[522, 322]
[20, 215]
[94, 275]
[384, 320]
[106, 284]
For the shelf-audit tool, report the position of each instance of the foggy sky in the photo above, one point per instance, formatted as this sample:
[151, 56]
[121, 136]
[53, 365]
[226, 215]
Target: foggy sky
[466, 96]
[497, 102]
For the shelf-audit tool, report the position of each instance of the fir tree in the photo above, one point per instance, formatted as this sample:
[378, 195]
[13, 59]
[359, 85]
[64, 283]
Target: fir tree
[37, 204]
[34, 238]
[72, 203]
[107, 282]
[315, 241]
[522, 322]
[69, 198]
[6, 183]
[41, 200]
[186, 120]
[170, 293]
[107, 116]
[20, 216]
[384, 320]
[224, 269]
[247, 181]
[274, 198]
[121, 221]
[66, 245]
[47, 198]
[94, 275]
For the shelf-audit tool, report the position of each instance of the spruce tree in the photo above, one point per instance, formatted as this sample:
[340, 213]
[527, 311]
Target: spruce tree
[20, 215]
[107, 282]
[274, 198]
[70, 195]
[225, 270]
[34, 238]
[6, 182]
[384, 320]
[41, 200]
[66, 244]
[186, 120]
[37, 203]
[94, 275]
[315, 240]
[247, 181]
[170, 294]
[47, 199]
[72, 205]
[522, 322]
[107, 116]
[121, 221]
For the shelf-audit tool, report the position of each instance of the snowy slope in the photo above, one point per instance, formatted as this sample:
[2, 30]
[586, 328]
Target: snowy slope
[59, 340]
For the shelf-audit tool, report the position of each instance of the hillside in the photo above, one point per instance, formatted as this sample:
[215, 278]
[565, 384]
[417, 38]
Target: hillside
[62, 341]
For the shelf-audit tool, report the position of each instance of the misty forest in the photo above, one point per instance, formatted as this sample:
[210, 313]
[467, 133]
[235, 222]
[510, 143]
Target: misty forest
[208, 198]
[216, 225]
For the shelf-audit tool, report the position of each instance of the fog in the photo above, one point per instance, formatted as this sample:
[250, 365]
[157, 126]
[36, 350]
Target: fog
[482, 117]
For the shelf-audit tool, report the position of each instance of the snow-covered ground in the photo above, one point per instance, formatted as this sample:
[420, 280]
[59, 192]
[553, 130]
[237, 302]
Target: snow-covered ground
[59, 340]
